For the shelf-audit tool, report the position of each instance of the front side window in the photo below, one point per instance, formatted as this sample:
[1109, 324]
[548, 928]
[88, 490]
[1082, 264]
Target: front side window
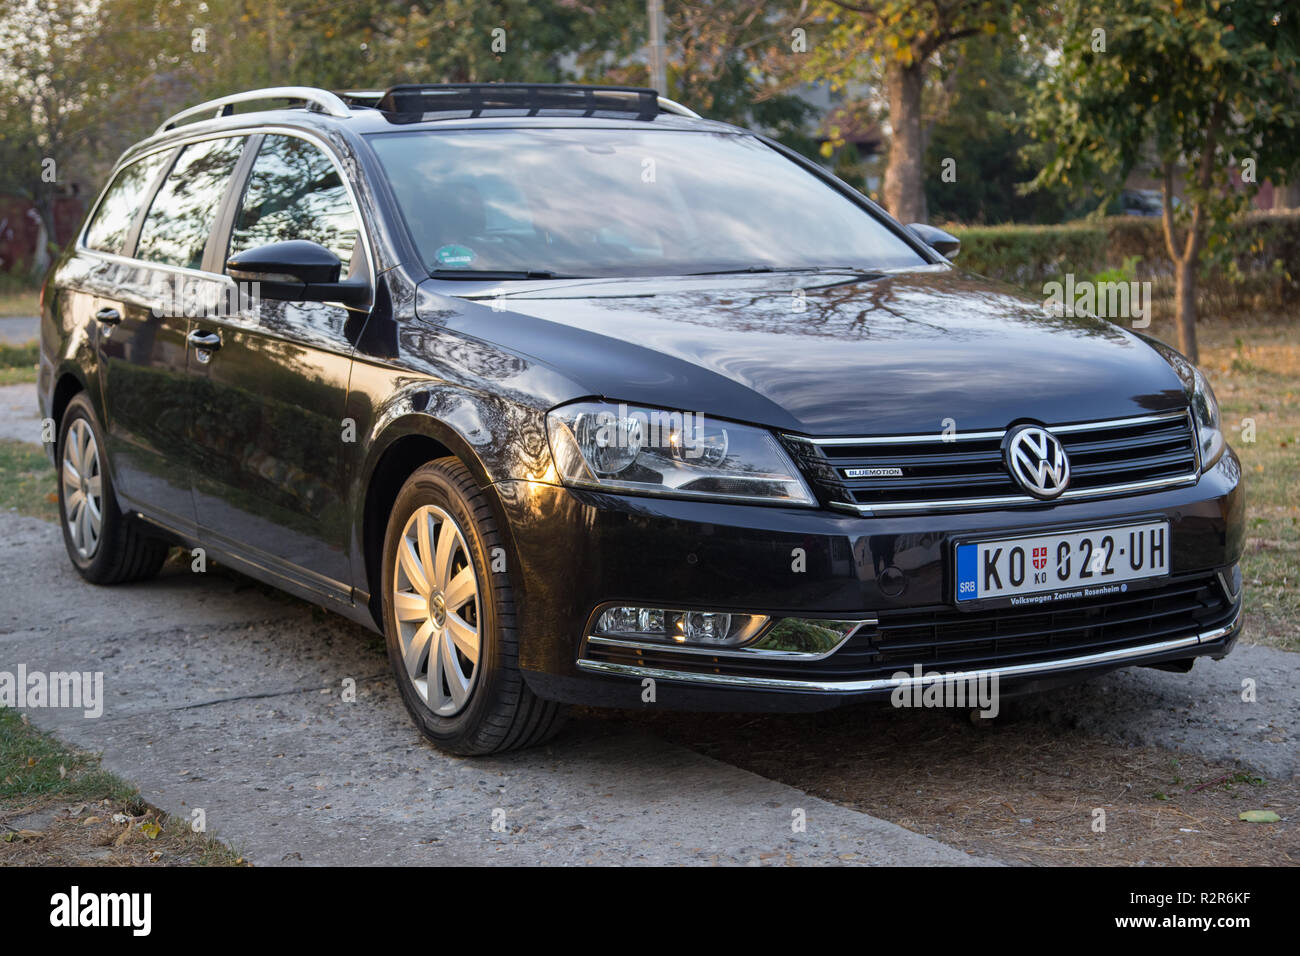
[618, 202]
[295, 192]
[182, 215]
[112, 223]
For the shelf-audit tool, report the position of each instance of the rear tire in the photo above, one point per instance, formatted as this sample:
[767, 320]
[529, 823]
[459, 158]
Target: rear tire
[105, 545]
[450, 622]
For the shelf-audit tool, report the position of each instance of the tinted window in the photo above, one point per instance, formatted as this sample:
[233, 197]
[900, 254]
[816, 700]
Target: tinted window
[623, 202]
[182, 214]
[108, 230]
[295, 192]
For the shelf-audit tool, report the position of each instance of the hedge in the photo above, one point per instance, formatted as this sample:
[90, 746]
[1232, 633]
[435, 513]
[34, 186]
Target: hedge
[1258, 266]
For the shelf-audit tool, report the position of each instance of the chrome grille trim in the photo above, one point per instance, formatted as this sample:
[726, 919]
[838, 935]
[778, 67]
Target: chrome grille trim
[819, 455]
[999, 433]
[1117, 656]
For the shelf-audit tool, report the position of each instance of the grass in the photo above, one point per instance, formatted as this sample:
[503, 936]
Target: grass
[18, 363]
[18, 300]
[27, 481]
[34, 765]
[58, 807]
[1254, 366]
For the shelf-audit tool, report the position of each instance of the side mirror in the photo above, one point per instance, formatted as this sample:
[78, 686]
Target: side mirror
[297, 271]
[944, 243]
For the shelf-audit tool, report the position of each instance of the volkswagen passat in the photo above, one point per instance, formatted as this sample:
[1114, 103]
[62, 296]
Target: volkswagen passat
[578, 397]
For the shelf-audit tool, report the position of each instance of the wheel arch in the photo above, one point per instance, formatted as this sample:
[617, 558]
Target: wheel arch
[404, 445]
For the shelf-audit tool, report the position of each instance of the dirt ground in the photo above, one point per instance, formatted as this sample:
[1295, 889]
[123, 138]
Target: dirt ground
[1012, 789]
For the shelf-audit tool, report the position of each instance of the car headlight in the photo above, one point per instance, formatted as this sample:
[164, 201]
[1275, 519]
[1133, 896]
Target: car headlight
[659, 452]
[1205, 413]
[1201, 400]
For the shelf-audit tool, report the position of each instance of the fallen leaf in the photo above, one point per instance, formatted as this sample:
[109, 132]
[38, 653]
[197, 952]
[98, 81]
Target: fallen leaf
[1258, 816]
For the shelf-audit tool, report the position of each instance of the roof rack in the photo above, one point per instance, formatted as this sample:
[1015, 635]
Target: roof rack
[471, 98]
[530, 98]
[320, 100]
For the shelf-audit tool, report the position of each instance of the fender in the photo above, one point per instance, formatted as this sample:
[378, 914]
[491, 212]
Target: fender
[459, 426]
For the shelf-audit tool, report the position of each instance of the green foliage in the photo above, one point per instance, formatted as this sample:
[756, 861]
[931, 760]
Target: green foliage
[1258, 273]
[1030, 255]
[907, 32]
[984, 91]
[1126, 271]
[1144, 84]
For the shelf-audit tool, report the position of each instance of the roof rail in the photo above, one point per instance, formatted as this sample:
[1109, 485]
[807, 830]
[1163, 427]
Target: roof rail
[532, 98]
[321, 100]
[672, 106]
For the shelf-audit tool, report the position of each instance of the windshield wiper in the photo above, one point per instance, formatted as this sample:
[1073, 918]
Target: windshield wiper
[502, 274]
[856, 270]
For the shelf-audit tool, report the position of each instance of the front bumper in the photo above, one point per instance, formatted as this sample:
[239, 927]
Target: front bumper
[576, 551]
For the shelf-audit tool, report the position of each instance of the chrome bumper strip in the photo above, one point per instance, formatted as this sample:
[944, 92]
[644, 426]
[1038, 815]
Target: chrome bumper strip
[890, 683]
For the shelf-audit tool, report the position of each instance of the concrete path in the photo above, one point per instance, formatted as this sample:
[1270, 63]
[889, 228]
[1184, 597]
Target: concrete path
[1205, 711]
[19, 330]
[19, 414]
[224, 697]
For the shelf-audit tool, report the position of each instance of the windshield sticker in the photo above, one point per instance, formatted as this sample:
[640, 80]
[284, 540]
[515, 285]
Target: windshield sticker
[455, 257]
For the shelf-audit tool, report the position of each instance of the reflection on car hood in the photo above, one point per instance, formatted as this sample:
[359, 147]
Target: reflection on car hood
[821, 353]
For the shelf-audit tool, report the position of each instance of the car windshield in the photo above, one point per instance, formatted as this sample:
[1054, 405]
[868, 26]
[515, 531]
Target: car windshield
[619, 202]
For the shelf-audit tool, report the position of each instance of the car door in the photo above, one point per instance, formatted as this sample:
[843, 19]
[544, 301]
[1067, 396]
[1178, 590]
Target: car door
[267, 416]
[143, 320]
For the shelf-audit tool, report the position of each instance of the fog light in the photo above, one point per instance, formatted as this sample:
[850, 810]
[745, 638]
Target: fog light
[672, 626]
[1230, 581]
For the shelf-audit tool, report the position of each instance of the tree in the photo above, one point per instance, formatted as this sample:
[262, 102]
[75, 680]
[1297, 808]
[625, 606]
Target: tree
[905, 35]
[1198, 92]
[47, 88]
[977, 131]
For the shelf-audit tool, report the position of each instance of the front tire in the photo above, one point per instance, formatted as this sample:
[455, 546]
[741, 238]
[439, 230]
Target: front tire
[105, 545]
[450, 622]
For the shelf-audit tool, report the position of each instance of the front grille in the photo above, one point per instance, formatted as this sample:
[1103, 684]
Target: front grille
[968, 471]
[945, 639]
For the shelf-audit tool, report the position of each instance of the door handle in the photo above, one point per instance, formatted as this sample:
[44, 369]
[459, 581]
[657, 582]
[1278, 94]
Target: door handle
[108, 315]
[211, 341]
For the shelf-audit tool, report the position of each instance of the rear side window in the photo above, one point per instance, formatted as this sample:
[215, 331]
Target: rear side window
[182, 215]
[295, 192]
[122, 200]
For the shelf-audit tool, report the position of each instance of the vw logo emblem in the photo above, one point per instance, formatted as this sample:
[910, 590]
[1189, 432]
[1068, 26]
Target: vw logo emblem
[1037, 461]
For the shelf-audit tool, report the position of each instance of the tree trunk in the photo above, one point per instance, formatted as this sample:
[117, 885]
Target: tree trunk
[904, 183]
[1185, 306]
[43, 212]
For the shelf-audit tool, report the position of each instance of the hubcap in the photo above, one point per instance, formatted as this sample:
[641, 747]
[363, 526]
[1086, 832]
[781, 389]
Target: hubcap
[436, 601]
[82, 484]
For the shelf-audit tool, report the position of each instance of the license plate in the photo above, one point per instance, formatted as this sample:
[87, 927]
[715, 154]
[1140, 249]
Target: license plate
[1044, 568]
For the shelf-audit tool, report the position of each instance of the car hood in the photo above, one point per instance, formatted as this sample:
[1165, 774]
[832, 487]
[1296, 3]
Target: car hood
[820, 353]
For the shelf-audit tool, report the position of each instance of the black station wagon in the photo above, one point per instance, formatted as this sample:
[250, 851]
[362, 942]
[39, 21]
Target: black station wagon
[580, 398]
